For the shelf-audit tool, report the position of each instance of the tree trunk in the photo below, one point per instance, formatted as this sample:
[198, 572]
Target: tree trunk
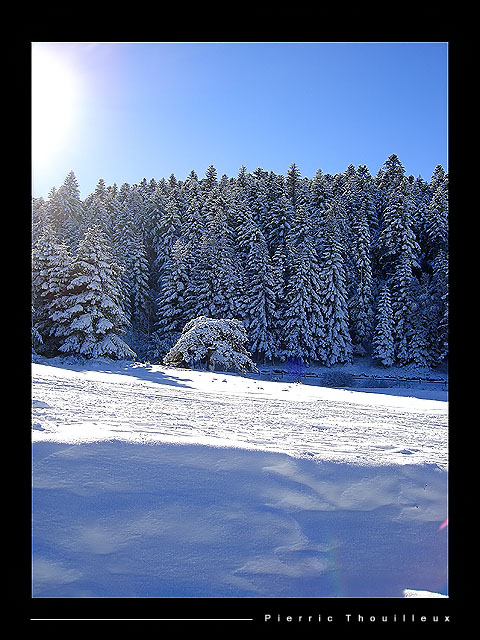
[208, 364]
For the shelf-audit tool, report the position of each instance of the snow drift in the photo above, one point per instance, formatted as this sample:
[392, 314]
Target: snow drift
[155, 482]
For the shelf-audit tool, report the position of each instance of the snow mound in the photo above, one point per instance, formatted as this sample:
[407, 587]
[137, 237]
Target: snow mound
[118, 519]
[158, 482]
[413, 593]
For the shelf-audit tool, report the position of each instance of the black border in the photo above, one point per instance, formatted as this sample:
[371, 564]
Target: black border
[219, 612]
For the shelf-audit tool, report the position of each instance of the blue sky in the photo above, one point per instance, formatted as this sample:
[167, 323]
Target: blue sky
[127, 111]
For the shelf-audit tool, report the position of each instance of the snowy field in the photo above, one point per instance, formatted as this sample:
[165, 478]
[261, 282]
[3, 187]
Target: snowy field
[157, 482]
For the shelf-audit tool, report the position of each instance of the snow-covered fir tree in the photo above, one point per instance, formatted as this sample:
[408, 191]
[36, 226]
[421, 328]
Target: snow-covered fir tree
[210, 181]
[166, 232]
[137, 272]
[383, 341]
[403, 305]
[421, 353]
[337, 341]
[217, 278]
[89, 320]
[396, 240]
[51, 270]
[70, 208]
[360, 303]
[193, 221]
[37, 339]
[303, 320]
[172, 307]
[301, 261]
[259, 305]
[439, 308]
[436, 224]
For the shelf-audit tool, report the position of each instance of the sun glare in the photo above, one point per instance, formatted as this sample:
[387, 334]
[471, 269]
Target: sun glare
[54, 94]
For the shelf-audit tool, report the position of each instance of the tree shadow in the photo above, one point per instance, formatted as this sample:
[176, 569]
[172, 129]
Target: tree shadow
[145, 371]
[141, 370]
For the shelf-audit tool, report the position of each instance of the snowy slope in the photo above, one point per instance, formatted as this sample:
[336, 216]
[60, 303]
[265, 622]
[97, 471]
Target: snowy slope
[156, 482]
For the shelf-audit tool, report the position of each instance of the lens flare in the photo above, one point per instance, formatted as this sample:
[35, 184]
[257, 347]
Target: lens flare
[54, 96]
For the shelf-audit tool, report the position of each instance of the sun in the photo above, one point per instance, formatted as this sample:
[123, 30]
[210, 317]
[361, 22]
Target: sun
[54, 99]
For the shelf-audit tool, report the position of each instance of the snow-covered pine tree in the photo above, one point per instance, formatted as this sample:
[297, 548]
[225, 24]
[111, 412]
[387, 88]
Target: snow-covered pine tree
[172, 303]
[303, 322]
[214, 343]
[257, 198]
[396, 240]
[403, 306]
[279, 259]
[366, 186]
[438, 176]
[390, 176]
[39, 220]
[137, 274]
[260, 297]
[420, 348]
[383, 341]
[210, 181]
[243, 185]
[123, 192]
[351, 201]
[298, 341]
[419, 201]
[211, 203]
[406, 217]
[320, 197]
[61, 210]
[90, 320]
[436, 226]
[228, 276]
[180, 197]
[37, 339]
[153, 231]
[293, 186]
[166, 233]
[278, 223]
[200, 290]
[70, 209]
[95, 211]
[51, 264]
[192, 223]
[216, 285]
[320, 193]
[439, 309]
[337, 342]
[360, 303]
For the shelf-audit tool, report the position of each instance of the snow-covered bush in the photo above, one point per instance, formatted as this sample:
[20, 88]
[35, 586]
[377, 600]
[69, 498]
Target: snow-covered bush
[215, 343]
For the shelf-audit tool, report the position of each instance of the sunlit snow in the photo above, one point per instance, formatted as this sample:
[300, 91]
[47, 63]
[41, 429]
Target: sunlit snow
[158, 482]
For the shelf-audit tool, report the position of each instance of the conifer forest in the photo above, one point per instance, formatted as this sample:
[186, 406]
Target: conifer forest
[320, 269]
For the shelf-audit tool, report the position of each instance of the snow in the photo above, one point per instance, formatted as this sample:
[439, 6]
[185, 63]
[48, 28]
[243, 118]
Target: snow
[151, 481]
[412, 593]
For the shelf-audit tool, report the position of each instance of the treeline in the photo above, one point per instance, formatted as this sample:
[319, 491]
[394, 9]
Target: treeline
[320, 268]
